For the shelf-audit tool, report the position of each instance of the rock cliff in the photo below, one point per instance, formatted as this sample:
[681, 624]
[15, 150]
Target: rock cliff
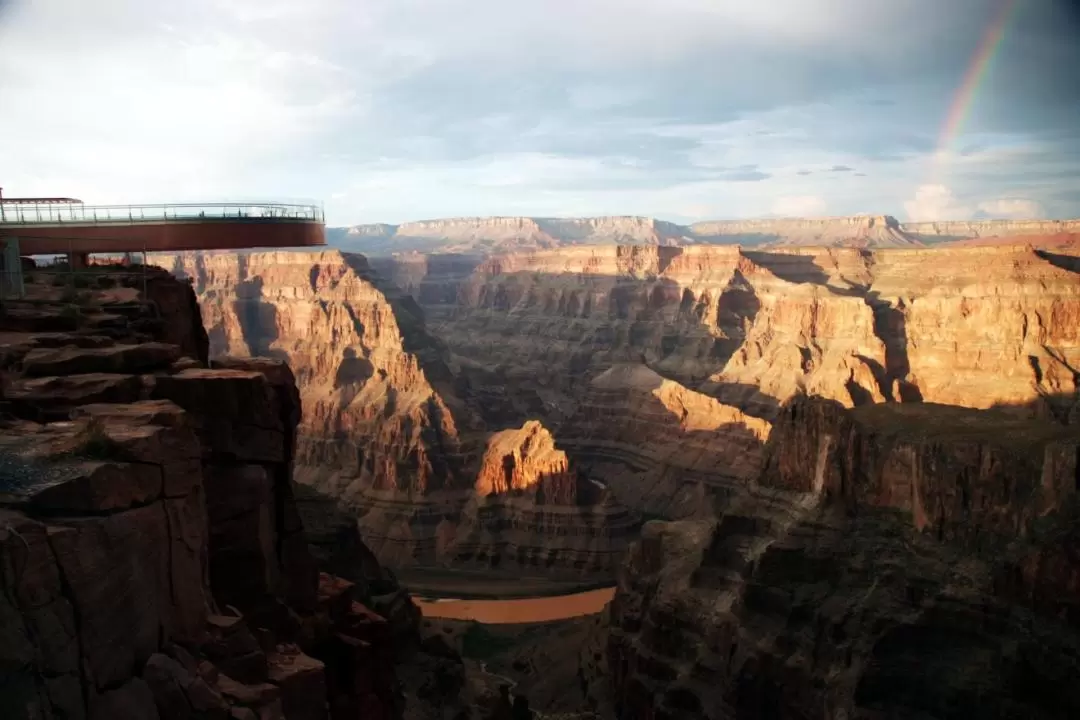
[530, 333]
[152, 556]
[658, 446]
[388, 428]
[656, 370]
[959, 229]
[531, 509]
[490, 234]
[892, 560]
[486, 235]
[874, 231]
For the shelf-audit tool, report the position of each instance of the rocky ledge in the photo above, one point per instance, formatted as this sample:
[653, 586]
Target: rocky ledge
[890, 561]
[152, 556]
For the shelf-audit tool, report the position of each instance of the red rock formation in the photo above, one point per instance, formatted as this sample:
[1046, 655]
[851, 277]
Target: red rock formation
[152, 558]
[516, 234]
[659, 446]
[384, 430]
[526, 460]
[892, 560]
[531, 509]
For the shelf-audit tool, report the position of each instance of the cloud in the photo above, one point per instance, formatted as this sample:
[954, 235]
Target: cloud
[1013, 208]
[935, 202]
[402, 109]
[799, 206]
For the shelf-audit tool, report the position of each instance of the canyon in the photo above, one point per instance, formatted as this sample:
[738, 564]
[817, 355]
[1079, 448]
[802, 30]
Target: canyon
[895, 560]
[533, 408]
[486, 235]
[391, 432]
[811, 473]
[153, 557]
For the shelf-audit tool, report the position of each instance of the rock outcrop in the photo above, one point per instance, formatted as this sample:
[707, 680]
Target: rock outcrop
[152, 557]
[389, 429]
[892, 560]
[375, 434]
[531, 509]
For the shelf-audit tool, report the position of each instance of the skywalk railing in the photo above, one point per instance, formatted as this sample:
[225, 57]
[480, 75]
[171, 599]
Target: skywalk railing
[52, 213]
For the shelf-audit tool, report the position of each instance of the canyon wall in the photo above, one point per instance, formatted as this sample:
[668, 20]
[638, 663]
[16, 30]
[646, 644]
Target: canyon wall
[656, 370]
[487, 235]
[492, 234]
[957, 229]
[389, 429]
[735, 333]
[859, 231]
[152, 555]
[891, 560]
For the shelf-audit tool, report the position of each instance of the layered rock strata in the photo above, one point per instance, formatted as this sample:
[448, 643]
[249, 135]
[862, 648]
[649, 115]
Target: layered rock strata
[958, 229]
[895, 560]
[153, 560]
[390, 430]
[875, 231]
[970, 326]
[487, 235]
[533, 511]
[731, 333]
[659, 446]
[492, 234]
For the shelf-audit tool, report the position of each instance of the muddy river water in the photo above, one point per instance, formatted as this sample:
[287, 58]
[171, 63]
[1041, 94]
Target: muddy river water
[522, 610]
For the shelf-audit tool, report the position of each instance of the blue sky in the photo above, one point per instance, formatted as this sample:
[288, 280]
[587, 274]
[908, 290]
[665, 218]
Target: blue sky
[395, 110]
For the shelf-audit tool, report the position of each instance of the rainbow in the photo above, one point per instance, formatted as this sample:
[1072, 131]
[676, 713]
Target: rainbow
[960, 106]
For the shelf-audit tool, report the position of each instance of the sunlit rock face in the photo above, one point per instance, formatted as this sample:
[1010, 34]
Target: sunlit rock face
[978, 326]
[658, 371]
[532, 334]
[388, 429]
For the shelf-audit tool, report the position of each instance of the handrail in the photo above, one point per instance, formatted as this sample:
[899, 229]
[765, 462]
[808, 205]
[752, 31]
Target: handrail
[33, 214]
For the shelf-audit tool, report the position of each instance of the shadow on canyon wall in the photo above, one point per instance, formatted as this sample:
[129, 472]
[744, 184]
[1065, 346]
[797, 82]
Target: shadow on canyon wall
[1065, 262]
[258, 319]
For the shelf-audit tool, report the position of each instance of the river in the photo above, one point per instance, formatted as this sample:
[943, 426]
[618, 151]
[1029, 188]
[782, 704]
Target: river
[522, 610]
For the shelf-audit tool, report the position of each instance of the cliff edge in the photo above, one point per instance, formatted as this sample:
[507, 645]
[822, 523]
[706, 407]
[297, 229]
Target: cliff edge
[894, 560]
[152, 555]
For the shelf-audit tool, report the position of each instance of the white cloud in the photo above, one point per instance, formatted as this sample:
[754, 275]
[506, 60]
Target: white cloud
[398, 109]
[799, 206]
[1013, 208]
[935, 202]
[151, 109]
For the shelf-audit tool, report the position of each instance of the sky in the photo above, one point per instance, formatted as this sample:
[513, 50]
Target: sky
[397, 110]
